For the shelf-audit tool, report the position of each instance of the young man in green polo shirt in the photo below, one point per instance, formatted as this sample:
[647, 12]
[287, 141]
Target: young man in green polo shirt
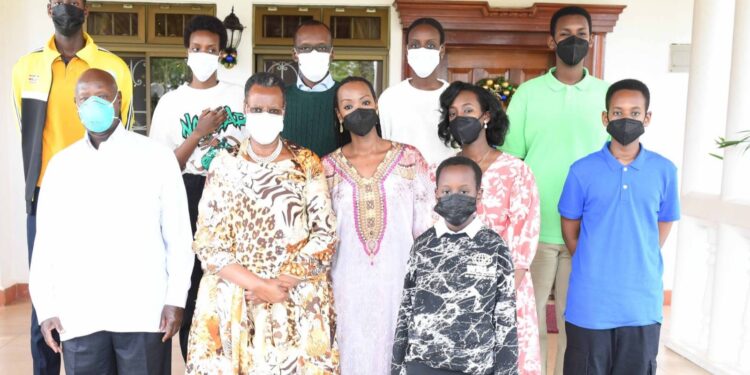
[555, 120]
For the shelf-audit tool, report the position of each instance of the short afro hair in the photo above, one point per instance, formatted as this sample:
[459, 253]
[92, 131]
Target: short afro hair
[628, 84]
[497, 126]
[207, 23]
[309, 23]
[568, 11]
[460, 161]
[429, 22]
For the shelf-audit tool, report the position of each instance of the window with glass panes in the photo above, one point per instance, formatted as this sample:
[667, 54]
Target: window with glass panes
[360, 40]
[149, 38]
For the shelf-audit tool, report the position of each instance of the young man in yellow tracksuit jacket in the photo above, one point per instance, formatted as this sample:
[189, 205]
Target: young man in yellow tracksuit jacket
[44, 90]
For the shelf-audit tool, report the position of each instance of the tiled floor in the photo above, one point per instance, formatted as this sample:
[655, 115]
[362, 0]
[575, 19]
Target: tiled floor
[15, 357]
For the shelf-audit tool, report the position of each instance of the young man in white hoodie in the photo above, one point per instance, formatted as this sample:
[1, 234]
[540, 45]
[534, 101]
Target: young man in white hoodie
[197, 121]
[410, 110]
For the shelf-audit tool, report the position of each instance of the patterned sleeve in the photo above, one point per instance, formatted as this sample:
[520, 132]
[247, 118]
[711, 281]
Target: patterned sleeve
[523, 231]
[424, 197]
[313, 257]
[214, 237]
[434, 217]
[506, 338]
[329, 171]
[401, 337]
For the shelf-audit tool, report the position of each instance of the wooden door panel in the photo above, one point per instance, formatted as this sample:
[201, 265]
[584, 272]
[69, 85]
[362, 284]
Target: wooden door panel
[473, 64]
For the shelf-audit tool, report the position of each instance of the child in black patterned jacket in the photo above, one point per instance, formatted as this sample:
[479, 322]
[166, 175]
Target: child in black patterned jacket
[458, 313]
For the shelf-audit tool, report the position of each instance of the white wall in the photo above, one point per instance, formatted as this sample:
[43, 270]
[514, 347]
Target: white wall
[25, 17]
[638, 48]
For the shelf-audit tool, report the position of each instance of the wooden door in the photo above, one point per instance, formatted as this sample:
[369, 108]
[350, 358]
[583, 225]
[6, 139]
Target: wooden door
[482, 41]
[470, 64]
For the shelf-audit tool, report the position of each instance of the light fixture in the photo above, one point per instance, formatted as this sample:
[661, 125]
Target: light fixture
[234, 35]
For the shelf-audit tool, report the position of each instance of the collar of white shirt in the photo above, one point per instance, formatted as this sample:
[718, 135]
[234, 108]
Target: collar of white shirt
[441, 228]
[321, 86]
[113, 138]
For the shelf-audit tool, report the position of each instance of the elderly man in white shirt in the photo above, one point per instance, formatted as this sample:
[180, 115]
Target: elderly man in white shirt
[112, 259]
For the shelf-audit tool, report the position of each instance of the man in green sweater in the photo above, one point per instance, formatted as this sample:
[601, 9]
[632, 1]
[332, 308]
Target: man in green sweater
[555, 120]
[309, 118]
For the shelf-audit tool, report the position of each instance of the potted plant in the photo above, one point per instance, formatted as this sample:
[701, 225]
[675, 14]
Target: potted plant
[722, 142]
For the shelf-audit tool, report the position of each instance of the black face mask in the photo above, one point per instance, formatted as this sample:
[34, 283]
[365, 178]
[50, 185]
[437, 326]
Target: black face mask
[456, 209]
[361, 121]
[465, 129]
[572, 50]
[625, 130]
[67, 19]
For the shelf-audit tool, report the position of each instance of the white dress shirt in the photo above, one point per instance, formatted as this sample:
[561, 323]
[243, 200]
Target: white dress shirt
[113, 241]
[441, 228]
[321, 86]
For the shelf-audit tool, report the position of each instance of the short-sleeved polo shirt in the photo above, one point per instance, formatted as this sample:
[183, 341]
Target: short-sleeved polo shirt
[616, 277]
[551, 126]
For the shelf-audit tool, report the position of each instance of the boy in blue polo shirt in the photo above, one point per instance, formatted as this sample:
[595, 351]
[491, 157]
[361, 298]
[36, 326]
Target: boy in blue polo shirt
[617, 208]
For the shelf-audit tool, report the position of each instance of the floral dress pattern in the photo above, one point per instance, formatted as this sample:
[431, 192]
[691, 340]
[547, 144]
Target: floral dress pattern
[510, 206]
[378, 219]
[271, 218]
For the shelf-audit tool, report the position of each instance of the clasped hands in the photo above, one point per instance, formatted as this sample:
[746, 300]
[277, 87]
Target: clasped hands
[272, 290]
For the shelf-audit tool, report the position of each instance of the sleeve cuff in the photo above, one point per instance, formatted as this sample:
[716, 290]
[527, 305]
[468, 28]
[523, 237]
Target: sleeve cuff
[176, 296]
[571, 215]
[43, 314]
[668, 218]
[217, 262]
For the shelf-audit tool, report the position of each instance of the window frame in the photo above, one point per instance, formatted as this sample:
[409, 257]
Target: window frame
[153, 9]
[381, 13]
[259, 11]
[102, 7]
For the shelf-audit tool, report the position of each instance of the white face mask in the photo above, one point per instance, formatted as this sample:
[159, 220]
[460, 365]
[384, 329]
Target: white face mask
[314, 65]
[423, 61]
[203, 65]
[264, 127]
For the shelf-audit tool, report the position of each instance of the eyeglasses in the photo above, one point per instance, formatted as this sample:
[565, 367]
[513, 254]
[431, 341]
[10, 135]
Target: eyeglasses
[322, 48]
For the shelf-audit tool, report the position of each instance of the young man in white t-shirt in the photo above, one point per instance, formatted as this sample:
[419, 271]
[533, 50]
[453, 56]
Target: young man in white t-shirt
[410, 110]
[198, 120]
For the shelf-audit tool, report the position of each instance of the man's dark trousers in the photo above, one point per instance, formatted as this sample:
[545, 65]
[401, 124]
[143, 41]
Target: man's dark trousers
[617, 351]
[118, 353]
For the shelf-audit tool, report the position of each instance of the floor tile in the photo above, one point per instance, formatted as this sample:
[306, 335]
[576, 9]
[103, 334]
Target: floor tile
[15, 358]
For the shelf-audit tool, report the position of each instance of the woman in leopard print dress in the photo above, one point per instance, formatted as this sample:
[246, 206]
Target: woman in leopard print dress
[265, 238]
